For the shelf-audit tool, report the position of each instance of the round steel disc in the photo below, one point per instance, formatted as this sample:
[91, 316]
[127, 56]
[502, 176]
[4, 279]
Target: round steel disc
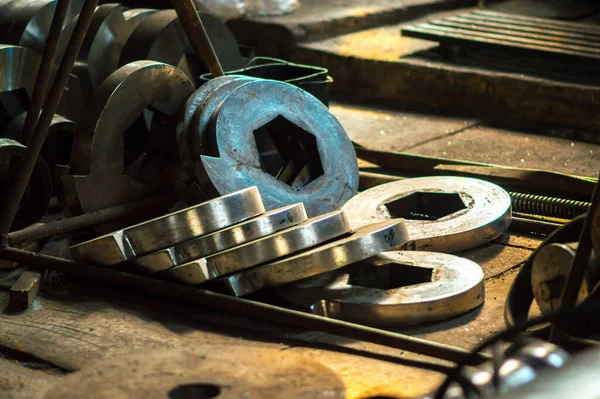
[393, 289]
[467, 212]
[327, 149]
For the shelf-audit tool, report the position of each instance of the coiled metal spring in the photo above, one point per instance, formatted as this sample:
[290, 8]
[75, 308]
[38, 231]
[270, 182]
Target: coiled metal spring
[548, 206]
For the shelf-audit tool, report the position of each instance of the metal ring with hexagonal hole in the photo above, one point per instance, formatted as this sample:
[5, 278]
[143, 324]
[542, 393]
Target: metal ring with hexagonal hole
[362, 244]
[283, 140]
[393, 289]
[102, 178]
[443, 214]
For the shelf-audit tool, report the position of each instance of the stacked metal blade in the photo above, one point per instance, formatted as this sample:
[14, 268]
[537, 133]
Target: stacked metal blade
[232, 240]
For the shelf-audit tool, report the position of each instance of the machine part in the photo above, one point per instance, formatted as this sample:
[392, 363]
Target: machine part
[226, 372]
[57, 148]
[520, 365]
[364, 243]
[550, 269]
[196, 34]
[393, 289]
[312, 160]
[577, 272]
[35, 202]
[25, 290]
[161, 37]
[189, 138]
[313, 79]
[203, 246]
[313, 232]
[247, 308]
[443, 214]
[102, 179]
[109, 41]
[13, 197]
[75, 223]
[165, 231]
[548, 206]
[19, 67]
[553, 9]
[577, 378]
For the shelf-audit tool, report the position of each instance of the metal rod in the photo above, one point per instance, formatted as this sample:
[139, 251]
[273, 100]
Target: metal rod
[576, 274]
[86, 220]
[45, 70]
[244, 307]
[194, 28]
[14, 194]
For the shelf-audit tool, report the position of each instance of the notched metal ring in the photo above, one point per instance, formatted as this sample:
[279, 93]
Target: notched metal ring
[260, 226]
[156, 234]
[364, 243]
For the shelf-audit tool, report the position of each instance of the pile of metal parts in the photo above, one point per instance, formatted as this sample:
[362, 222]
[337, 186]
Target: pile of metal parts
[188, 182]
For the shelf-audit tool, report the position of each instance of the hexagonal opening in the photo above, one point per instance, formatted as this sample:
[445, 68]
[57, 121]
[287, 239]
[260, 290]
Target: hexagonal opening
[288, 152]
[389, 276]
[147, 150]
[422, 205]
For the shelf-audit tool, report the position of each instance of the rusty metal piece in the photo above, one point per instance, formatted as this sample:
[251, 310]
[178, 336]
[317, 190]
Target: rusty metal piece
[86, 220]
[14, 195]
[161, 37]
[247, 308]
[57, 148]
[393, 289]
[165, 231]
[549, 272]
[293, 149]
[35, 202]
[364, 243]
[207, 372]
[263, 225]
[443, 214]
[101, 178]
[196, 34]
[24, 291]
[190, 138]
[313, 232]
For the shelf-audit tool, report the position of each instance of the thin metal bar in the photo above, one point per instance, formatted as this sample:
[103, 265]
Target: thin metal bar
[13, 196]
[86, 220]
[577, 273]
[45, 70]
[193, 26]
[244, 307]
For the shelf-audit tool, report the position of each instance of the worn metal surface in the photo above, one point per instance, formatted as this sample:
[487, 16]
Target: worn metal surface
[314, 231]
[393, 289]
[238, 234]
[98, 156]
[36, 199]
[364, 243]
[161, 37]
[463, 213]
[57, 148]
[19, 68]
[206, 372]
[318, 162]
[190, 131]
[109, 40]
[156, 234]
[549, 272]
